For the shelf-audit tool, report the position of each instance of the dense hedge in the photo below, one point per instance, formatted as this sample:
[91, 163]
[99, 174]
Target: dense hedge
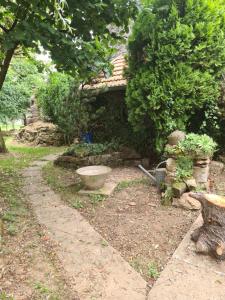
[176, 60]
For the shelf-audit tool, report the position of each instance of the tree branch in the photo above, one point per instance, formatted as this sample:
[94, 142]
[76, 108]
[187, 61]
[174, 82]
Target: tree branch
[13, 25]
[3, 28]
[6, 63]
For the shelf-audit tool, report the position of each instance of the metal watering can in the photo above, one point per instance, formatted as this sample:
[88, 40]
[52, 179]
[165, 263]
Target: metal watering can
[159, 174]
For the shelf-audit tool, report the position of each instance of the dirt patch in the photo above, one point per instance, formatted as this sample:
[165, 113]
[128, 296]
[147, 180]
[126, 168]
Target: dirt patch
[132, 220]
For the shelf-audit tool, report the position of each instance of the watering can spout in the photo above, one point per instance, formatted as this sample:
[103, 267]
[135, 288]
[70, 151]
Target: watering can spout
[147, 173]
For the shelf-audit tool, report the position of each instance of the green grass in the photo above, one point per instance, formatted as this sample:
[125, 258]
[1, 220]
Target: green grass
[129, 183]
[153, 270]
[96, 198]
[7, 127]
[21, 155]
[77, 204]
[4, 296]
[45, 292]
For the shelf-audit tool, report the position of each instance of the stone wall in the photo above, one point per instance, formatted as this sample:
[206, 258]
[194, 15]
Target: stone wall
[115, 159]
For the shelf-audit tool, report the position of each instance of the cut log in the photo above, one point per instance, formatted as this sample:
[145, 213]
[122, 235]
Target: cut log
[210, 237]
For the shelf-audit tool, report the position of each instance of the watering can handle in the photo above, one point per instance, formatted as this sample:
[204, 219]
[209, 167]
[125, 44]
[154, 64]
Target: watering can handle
[162, 162]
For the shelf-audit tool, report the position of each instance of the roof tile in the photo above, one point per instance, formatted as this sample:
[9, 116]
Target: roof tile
[116, 80]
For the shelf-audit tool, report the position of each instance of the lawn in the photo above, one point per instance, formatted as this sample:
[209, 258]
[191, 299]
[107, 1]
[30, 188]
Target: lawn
[20, 156]
[7, 127]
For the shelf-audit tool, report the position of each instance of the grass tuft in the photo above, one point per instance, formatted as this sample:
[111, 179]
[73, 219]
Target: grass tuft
[129, 183]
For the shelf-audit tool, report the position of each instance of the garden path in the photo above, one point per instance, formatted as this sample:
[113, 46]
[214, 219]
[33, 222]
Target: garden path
[189, 275]
[96, 269]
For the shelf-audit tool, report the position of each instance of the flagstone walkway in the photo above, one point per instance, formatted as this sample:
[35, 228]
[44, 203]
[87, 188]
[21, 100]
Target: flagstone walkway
[98, 271]
[190, 276]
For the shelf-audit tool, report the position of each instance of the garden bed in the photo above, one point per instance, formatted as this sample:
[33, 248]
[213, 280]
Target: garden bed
[82, 155]
[132, 220]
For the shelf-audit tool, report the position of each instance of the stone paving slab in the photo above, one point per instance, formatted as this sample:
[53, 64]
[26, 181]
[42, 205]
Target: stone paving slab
[50, 157]
[190, 276]
[30, 173]
[98, 269]
[183, 281]
[31, 189]
[38, 163]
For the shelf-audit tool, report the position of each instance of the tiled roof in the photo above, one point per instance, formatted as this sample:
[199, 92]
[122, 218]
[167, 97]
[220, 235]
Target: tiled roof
[116, 80]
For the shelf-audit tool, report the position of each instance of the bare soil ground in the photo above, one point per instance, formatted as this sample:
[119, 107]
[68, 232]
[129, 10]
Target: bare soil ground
[132, 220]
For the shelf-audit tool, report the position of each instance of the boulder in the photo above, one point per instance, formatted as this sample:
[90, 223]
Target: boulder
[187, 202]
[178, 189]
[170, 178]
[191, 183]
[41, 133]
[175, 137]
[201, 174]
[216, 167]
[171, 165]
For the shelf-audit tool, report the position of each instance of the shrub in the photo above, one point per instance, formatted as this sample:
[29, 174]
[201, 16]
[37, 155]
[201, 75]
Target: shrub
[60, 102]
[175, 64]
[84, 149]
[196, 145]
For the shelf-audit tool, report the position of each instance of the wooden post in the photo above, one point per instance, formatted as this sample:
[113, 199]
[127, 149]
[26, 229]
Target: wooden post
[210, 237]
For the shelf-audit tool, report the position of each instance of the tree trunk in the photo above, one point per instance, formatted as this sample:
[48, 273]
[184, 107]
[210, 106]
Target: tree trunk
[6, 63]
[2, 144]
[210, 237]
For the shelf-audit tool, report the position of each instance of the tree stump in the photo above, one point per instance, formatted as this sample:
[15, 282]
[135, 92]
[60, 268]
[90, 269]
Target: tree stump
[210, 237]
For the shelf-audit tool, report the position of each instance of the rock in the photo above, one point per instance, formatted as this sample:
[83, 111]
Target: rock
[201, 174]
[41, 133]
[170, 177]
[206, 186]
[171, 165]
[187, 202]
[175, 137]
[202, 162]
[190, 183]
[178, 189]
[129, 153]
[216, 167]
[132, 204]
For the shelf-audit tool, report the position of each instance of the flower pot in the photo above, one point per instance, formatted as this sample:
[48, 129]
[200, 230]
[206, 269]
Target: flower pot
[93, 177]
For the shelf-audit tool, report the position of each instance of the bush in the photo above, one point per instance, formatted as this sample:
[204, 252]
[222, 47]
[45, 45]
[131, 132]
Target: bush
[193, 146]
[61, 103]
[175, 65]
[196, 145]
[84, 149]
